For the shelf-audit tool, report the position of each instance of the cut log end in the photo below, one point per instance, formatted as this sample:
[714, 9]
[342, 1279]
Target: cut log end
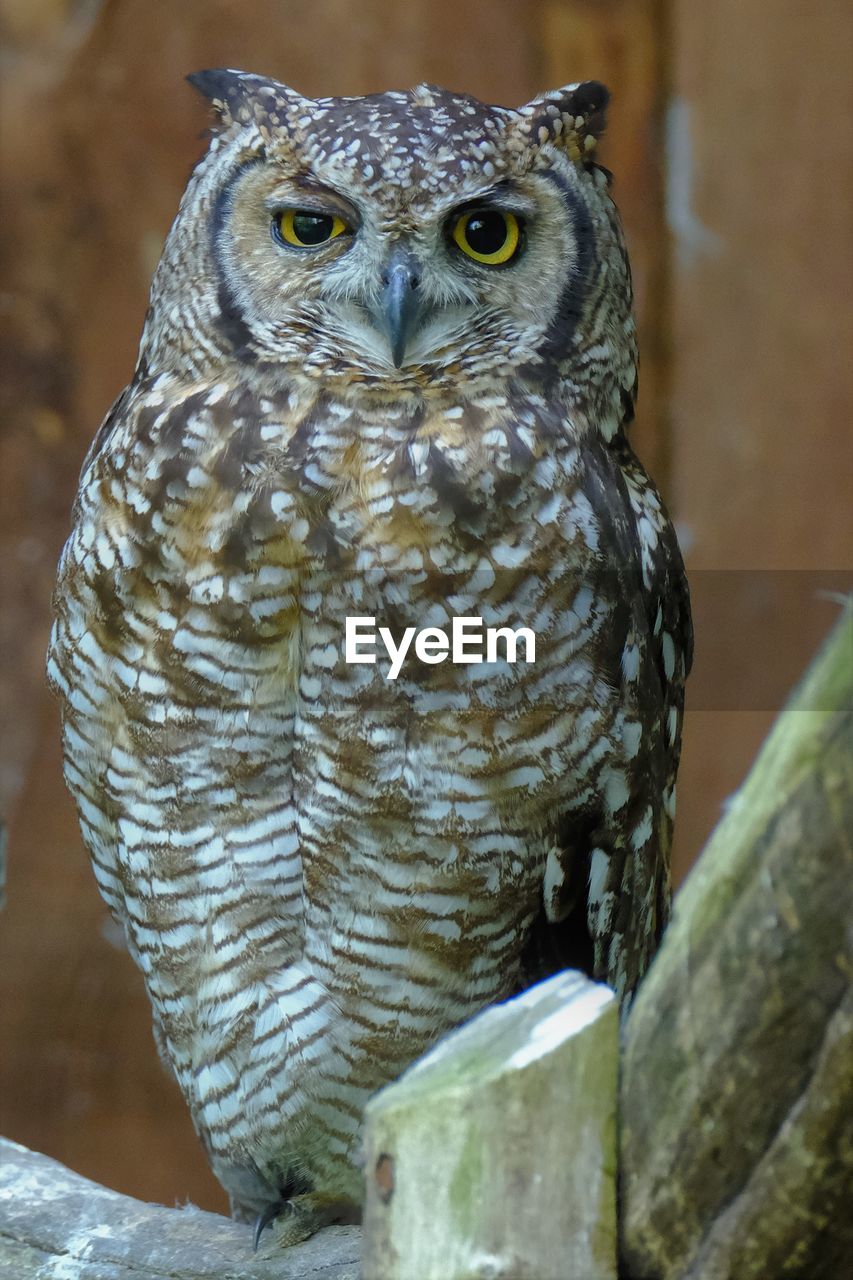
[494, 1156]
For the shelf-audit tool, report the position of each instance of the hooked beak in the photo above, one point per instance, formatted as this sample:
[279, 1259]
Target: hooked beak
[399, 303]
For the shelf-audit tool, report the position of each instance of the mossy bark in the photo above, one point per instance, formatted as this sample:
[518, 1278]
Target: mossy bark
[737, 1073]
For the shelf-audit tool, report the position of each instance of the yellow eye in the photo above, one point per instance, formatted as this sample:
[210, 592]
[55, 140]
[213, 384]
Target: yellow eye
[306, 228]
[491, 236]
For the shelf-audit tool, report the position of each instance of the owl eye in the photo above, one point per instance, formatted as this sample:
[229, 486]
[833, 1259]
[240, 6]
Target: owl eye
[491, 236]
[307, 229]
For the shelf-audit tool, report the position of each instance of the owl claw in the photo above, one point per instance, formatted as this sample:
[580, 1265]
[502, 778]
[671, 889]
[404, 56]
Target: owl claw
[298, 1217]
[264, 1218]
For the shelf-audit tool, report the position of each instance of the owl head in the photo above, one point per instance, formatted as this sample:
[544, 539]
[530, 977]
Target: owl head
[413, 242]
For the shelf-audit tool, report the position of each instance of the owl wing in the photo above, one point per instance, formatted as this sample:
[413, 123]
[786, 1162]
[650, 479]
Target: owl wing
[607, 880]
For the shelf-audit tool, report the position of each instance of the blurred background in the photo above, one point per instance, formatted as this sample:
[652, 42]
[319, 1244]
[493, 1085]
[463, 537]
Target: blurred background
[731, 141]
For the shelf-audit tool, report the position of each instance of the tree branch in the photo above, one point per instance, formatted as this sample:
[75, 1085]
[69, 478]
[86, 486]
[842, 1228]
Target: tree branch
[55, 1223]
[737, 1088]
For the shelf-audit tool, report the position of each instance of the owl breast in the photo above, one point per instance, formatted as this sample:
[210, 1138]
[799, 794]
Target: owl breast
[321, 869]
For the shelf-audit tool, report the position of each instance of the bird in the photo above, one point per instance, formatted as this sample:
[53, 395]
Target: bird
[387, 373]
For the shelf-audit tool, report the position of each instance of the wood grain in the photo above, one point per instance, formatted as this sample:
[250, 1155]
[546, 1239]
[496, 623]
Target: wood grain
[760, 205]
[55, 1223]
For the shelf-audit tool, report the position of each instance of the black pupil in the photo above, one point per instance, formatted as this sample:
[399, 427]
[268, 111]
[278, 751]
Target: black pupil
[486, 232]
[312, 228]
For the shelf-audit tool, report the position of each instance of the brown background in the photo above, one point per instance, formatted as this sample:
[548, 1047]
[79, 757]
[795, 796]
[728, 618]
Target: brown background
[730, 139]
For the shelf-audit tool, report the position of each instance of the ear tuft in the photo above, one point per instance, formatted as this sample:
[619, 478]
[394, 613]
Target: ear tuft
[225, 90]
[239, 96]
[572, 118]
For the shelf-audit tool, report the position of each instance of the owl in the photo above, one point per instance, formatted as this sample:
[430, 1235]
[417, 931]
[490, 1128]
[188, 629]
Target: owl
[385, 378]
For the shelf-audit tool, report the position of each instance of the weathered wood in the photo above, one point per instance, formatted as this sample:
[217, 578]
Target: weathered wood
[756, 313]
[737, 1087]
[53, 1223]
[494, 1156]
[3, 841]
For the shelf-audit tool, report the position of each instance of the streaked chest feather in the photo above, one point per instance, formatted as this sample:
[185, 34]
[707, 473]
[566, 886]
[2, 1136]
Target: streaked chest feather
[237, 544]
[217, 554]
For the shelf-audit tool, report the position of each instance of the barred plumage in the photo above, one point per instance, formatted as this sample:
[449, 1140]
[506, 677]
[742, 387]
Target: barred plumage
[320, 870]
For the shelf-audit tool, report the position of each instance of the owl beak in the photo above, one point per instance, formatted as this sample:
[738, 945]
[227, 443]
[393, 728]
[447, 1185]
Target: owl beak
[400, 304]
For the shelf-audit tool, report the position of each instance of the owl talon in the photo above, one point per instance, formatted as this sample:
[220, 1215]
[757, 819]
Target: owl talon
[264, 1218]
[297, 1219]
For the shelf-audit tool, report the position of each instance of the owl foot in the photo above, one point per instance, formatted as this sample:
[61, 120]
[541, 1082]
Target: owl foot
[297, 1219]
[264, 1218]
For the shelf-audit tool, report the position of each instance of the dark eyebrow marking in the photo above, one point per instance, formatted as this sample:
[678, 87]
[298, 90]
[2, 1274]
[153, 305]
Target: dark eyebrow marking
[230, 322]
[571, 302]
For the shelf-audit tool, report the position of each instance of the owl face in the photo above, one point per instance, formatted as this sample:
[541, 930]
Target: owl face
[412, 280]
[403, 240]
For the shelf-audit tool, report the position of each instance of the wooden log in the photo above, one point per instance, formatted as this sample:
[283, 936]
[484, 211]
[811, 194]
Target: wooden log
[737, 1080]
[494, 1156]
[55, 1224]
